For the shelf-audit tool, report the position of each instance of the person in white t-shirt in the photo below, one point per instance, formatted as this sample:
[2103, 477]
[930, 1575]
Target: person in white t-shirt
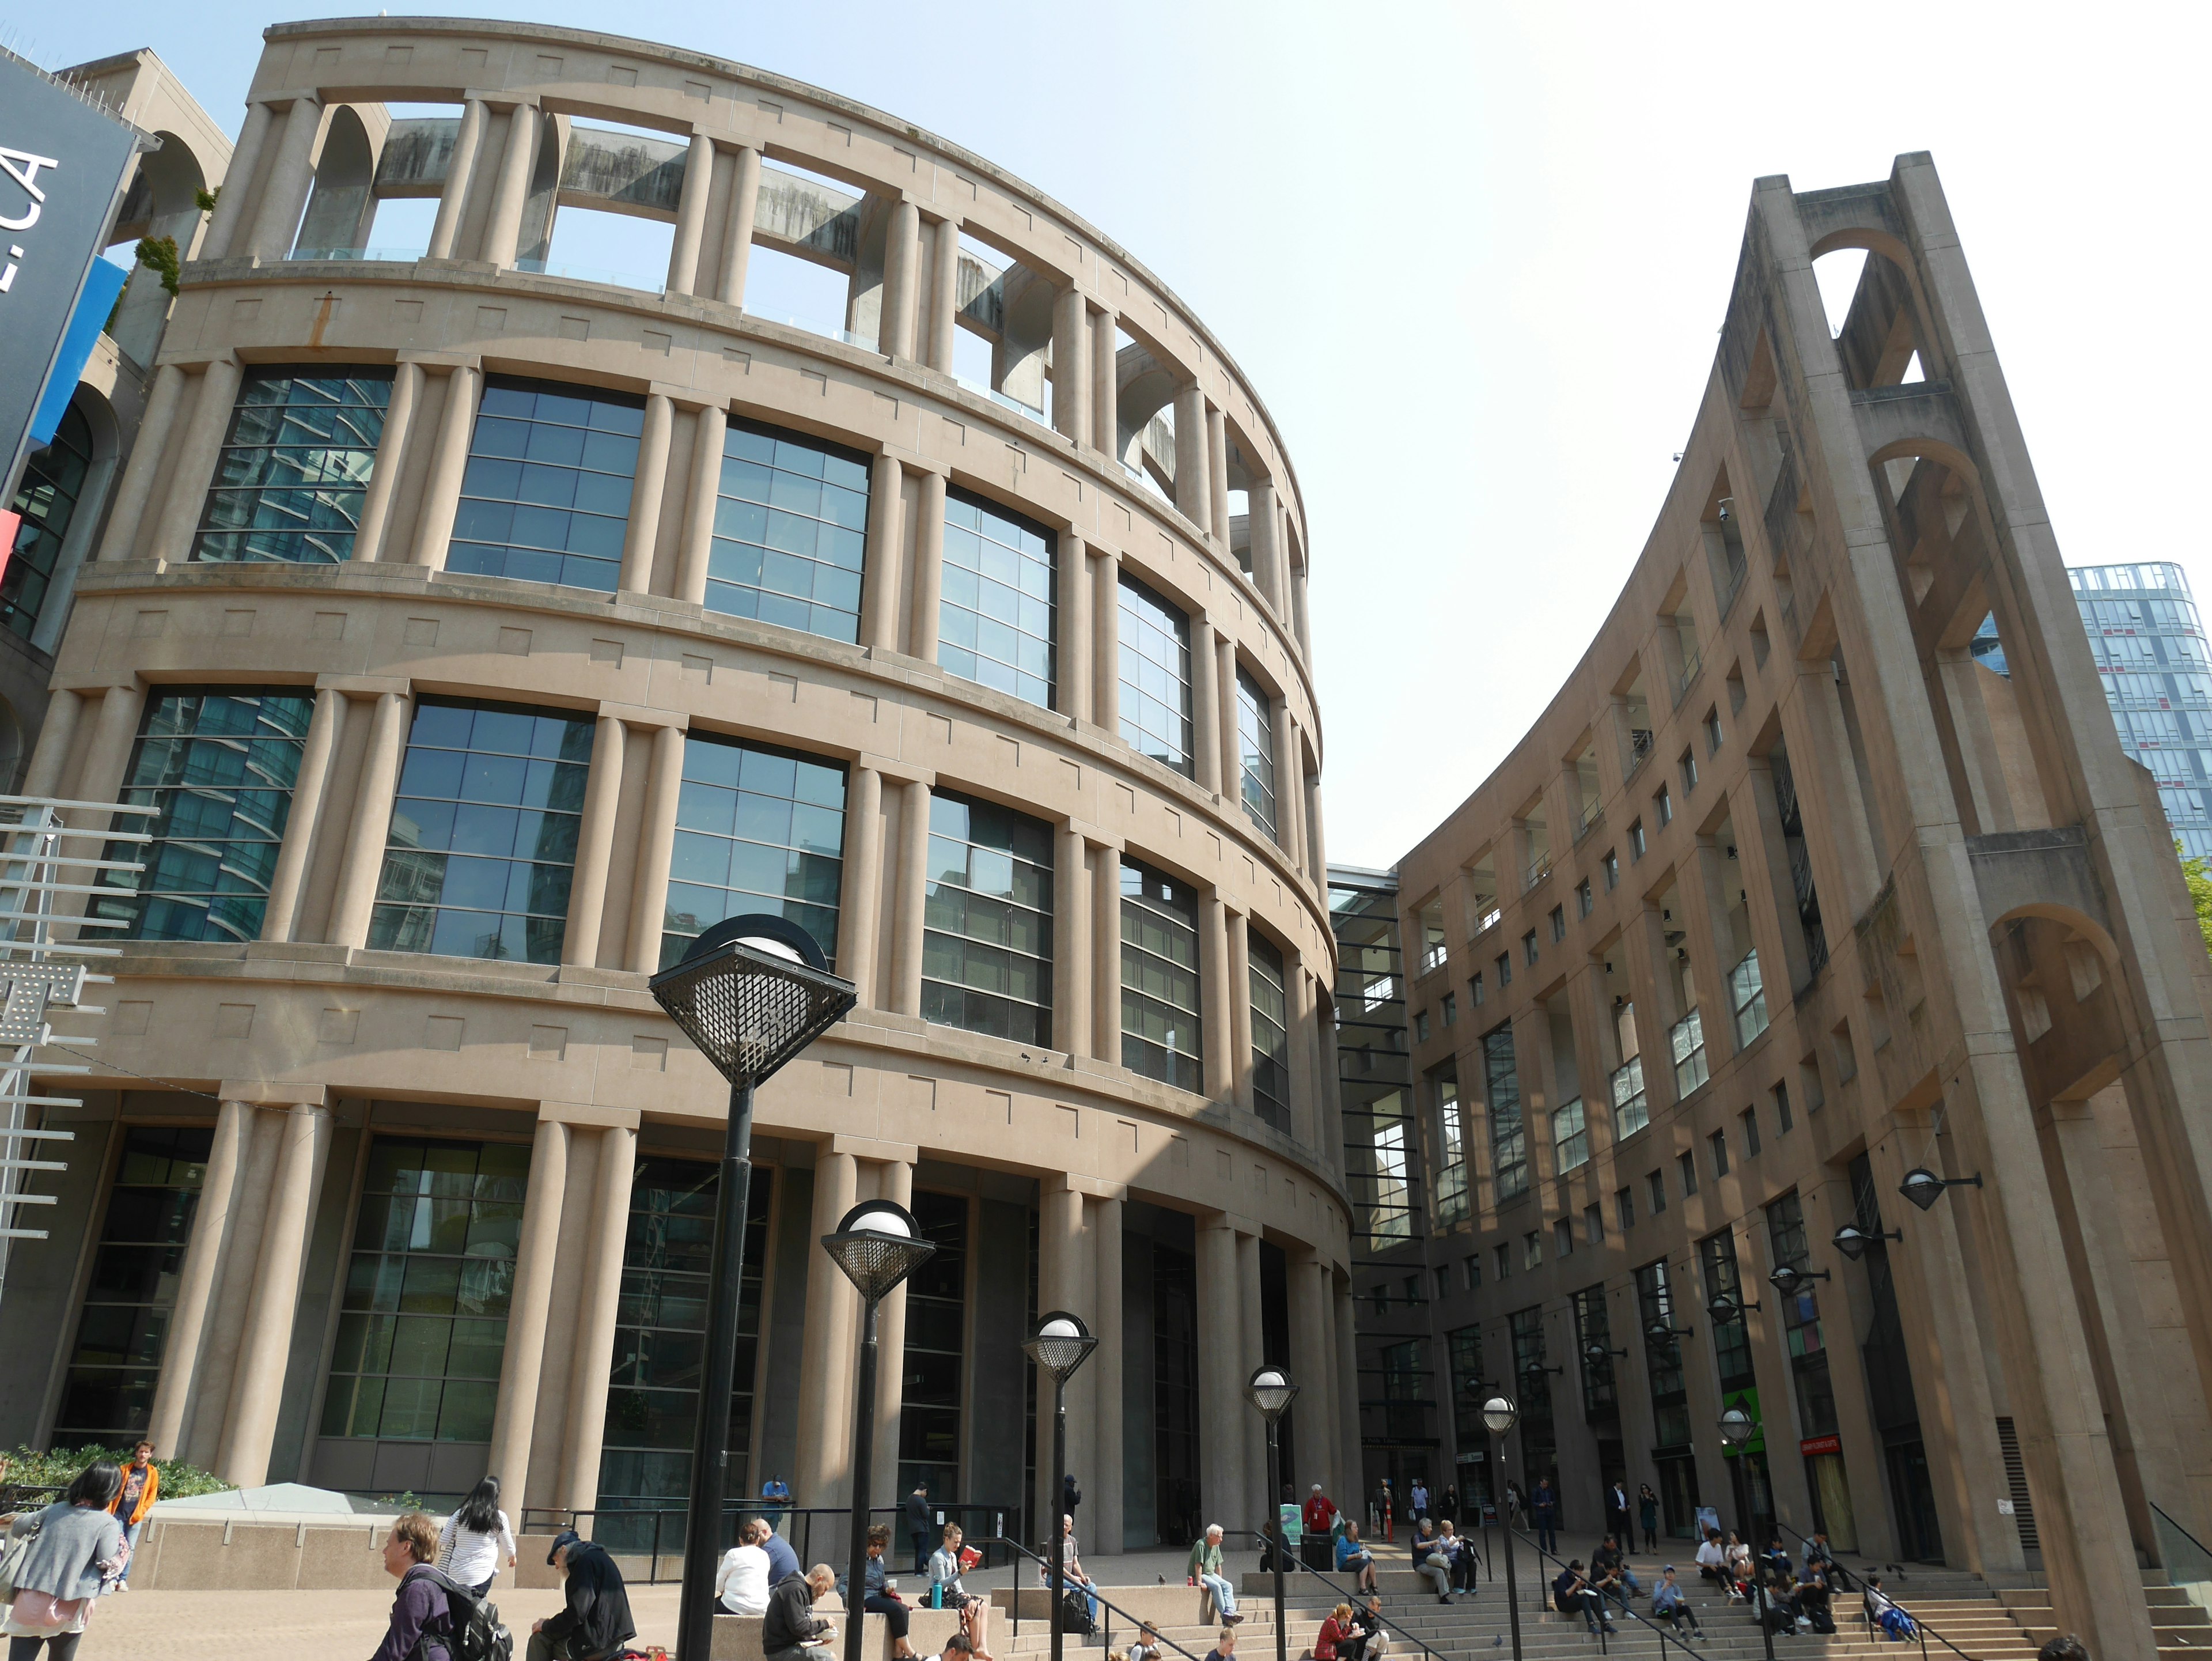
[741, 1582]
[1712, 1563]
[475, 1538]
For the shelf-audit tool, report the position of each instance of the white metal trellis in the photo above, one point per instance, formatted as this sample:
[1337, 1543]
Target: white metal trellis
[44, 951]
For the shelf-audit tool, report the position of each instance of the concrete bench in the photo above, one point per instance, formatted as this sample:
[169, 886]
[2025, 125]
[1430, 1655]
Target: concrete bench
[1163, 1606]
[737, 1637]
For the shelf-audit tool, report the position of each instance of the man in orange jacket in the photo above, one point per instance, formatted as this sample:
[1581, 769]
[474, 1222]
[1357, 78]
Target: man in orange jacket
[142, 1486]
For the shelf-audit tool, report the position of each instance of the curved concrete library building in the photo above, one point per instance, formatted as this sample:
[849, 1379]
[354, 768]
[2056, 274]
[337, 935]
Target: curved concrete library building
[1808, 1053]
[483, 630]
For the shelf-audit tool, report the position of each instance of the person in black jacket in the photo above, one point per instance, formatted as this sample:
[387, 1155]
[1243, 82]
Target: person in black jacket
[789, 1631]
[594, 1622]
[919, 1529]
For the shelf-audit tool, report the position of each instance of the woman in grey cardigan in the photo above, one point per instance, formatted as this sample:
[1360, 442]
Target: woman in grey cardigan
[77, 1539]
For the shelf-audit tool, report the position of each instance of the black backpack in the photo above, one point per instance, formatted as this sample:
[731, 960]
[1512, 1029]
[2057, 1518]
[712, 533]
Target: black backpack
[1075, 1611]
[477, 1635]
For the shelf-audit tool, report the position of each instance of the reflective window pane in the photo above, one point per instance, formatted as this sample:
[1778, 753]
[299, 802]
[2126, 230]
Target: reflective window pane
[1155, 677]
[1160, 1032]
[986, 938]
[1255, 745]
[996, 617]
[46, 501]
[295, 467]
[791, 525]
[756, 830]
[545, 496]
[1271, 1042]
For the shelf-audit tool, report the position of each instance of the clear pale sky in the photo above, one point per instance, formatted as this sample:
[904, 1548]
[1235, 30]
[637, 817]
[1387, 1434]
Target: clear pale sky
[1474, 258]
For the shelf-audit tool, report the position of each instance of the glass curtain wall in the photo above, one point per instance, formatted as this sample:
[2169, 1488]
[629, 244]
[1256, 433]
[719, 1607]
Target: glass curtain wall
[1450, 1187]
[1255, 745]
[1539, 1439]
[997, 614]
[1463, 1363]
[483, 838]
[1594, 1347]
[295, 465]
[1160, 1031]
[756, 830]
[219, 762]
[46, 501]
[546, 497]
[1509, 1138]
[1155, 677]
[987, 920]
[115, 1365]
[1670, 1401]
[1271, 1039]
[424, 1318]
[652, 1395]
[791, 523]
[1373, 1074]
[936, 1340]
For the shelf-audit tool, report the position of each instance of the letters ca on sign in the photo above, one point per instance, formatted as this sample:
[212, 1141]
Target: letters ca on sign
[22, 167]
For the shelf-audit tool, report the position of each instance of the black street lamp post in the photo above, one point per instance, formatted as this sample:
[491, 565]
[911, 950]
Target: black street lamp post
[1499, 1416]
[878, 1246]
[751, 993]
[1738, 1427]
[1062, 1344]
[1270, 1389]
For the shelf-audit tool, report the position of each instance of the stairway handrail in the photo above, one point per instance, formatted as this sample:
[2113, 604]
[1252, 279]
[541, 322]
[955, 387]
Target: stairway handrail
[1666, 1635]
[1092, 1590]
[1291, 1566]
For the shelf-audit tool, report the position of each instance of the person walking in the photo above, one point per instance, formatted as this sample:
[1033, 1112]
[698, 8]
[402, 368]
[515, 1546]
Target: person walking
[1544, 1512]
[142, 1487]
[1647, 1515]
[422, 1627]
[475, 1538]
[1070, 1495]
[1417, 1502]
[1204, 1569]
[876, 1593]
[917, 1526]
[741, 1580]
[79, 1545]
[1669, 1604]
[593, 1621]
[1616, 1512]
[790, 1630]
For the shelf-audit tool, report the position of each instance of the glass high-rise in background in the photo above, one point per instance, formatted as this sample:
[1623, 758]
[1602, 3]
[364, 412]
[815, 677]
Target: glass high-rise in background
[2157, 669]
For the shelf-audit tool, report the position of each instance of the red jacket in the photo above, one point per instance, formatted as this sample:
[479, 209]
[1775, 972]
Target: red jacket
[1320, 1514]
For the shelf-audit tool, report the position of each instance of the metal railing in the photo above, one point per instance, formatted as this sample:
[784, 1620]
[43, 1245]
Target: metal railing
[646, 1533]
[1666, 1635]
[1852, 1583]
[1291, 1566]
[1105, 1629]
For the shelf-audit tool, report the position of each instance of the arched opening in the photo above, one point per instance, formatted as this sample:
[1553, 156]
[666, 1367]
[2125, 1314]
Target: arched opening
[340, 208]
[162, 204]
[1873, 309]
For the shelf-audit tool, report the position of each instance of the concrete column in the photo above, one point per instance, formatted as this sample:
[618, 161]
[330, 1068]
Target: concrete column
[694, 551]
[1251, 1351]
[260, 1377]
[1325, 1438]
[1352, 1462]
[363, 862]
[1298, 612]
[901, 281]
[391, 447]
[1239, 997]
[1290, 777]
[691, 216]
[1105, 384]
[1309, 828]
[881, 568]
[1310, 1370]
[202, 441]
[1218, 1068]
[195, 1283]
[825, 1388]
[441, 486]
[1232, 743]
[910, 897]
[944, 294]
[1217, 474]
[1301, 1036]
[504, 226]
[1266, 547]
[284, 198]
[1072, 696]
[1071, 946]
[1102, 1494]
[1194, 491]
[587, 892]
[230, 207]
[1106, 957]
[303, 819]
[652, 482]
[151, 442]
[522, 1362]
[57, 744]
[861, 914]
[1205, 694]
[928, 565]
[1072, 391]
[895, 1184]
[1106, 640]
[598, 1300]
[453, 199]
[1222, 1494]
[1061, 1251]
[223, 1340]
[109, 755]
[649, 891]
[738, 227]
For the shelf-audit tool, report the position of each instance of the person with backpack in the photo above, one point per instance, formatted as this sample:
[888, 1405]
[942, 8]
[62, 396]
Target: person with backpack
[594, 1622]
[72, 1549]
[1077, 1586]
[475, 1538]
[422, 1611]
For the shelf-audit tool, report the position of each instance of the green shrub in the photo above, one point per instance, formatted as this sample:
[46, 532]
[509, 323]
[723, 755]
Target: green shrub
[57, 1468]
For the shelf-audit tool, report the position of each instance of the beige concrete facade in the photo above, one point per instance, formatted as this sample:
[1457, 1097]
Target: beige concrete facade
[1785, 871]
[307, 1046]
